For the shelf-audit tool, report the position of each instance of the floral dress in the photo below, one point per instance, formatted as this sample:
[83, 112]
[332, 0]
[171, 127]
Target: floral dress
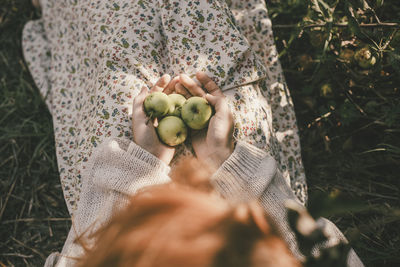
[89, 59]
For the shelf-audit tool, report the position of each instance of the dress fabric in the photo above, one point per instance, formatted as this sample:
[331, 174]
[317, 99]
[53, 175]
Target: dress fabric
[90, 58]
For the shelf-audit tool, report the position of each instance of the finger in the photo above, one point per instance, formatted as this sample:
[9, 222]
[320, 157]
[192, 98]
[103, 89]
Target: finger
[191, 85]
[170, 88]
[182, 90]
[219, 104]
[210, 86]
[139, 99]
[161, 83]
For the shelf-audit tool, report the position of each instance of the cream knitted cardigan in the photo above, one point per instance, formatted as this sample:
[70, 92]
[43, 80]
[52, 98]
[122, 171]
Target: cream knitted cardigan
[119, 168]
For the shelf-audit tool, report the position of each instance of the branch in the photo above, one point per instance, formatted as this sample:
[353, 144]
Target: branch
[341, 25]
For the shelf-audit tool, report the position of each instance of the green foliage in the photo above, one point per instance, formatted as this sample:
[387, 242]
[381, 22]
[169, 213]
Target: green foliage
[342, 62]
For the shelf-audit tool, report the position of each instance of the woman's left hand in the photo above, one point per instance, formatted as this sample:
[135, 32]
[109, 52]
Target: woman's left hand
[214, 144]
[144, 132]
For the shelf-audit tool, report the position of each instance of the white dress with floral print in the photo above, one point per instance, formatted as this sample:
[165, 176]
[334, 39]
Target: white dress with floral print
[89, 59]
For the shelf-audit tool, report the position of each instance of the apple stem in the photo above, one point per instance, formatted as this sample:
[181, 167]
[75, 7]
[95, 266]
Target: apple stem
[149, 118]
[147, 121]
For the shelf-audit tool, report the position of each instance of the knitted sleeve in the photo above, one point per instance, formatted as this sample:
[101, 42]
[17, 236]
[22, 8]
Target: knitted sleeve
[117, 169]
[122, 166]
[250, 174]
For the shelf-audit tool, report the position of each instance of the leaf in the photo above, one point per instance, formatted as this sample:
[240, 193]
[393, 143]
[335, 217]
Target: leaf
[392, 115]
[362, 4]
[394, 58]
[293, 36]
[307, 90]
[354, 25]
[348, 113]
[337, 202]
[315, 6]
[324, 10]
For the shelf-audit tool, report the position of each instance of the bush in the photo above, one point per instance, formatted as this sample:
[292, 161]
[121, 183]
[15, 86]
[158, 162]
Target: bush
[341, 61]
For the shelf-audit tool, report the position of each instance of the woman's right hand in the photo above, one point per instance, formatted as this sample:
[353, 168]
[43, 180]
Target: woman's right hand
[214, 144]
[144, 132]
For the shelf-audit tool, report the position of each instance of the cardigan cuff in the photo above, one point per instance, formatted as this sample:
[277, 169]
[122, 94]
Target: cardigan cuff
[245, 174]
[138, 152]
[123, 166]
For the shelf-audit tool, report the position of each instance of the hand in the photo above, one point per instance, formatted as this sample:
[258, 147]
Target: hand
[214, 144]
[144, 133]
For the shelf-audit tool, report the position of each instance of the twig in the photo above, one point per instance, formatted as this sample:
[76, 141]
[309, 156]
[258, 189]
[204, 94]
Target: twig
[8, 195]
[390, 39]
[348, 95]
[13, 177]
[326, 115]
[36, 220]
[6, 160]
[357, 190]
[17, 255]
[359, 129]
[25, 246]
[339, 25]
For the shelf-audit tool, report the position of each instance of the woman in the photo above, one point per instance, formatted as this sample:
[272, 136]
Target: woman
[184, 226]
[90, 58]
[241, 173]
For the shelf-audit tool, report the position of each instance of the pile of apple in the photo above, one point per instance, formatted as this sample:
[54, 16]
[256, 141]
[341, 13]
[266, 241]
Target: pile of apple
[175, 114]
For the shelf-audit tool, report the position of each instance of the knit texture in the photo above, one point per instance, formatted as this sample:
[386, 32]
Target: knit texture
[120, 168]
[251, 174]
[117, 169]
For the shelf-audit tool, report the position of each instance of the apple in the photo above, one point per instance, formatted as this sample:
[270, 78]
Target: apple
[365, 58]
[318, 37]
[346, 55]
[196, 112]
[156, 104]
[172, 130]
[326, 90]
[305, 62]
[176, 102]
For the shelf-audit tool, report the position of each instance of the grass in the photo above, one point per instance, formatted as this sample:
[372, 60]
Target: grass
[348, 119]
[32, 208]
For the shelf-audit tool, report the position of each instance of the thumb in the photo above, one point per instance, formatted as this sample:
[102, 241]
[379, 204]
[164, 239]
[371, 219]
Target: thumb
[218, 102]
[213, 100]
[141, 96]
[139, 99]
[143, 93]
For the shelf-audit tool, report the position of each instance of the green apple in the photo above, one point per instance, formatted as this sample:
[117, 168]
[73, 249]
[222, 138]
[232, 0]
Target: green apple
[156, 105]
[176, 102]
[365, 58]
[196, 112]
[172, 130]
